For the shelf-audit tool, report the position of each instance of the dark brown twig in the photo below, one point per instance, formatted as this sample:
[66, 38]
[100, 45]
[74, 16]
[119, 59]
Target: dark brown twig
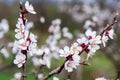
[118, 76]
[24, 51]
[1, 47]
[55, 71]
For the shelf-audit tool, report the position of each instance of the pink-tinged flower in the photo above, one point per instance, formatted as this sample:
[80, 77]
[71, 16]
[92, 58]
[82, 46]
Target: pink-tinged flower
[32, 38]
[32, 48]
[22, 44]
[94, 42]
[90, 34]
[104, 40]
[29, 8]
[110, 33]
[46, 61]
[75, 48]
[20, 59]
[82, 42]
[94, 45]
[65, 51]
[20, 28]
[72, 62]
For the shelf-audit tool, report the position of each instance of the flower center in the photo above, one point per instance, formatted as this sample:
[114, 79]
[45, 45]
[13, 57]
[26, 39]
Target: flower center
[90, 37]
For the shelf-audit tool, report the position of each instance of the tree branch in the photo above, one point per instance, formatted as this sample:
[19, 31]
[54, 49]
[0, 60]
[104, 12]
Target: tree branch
[55, 71]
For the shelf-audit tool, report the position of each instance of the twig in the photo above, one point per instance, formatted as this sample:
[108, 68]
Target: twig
[84, 63]
[35, 76]
[118, 76]
[24, 51]
[23, 72]
[55, 71]
[60, 68]
[1, 47]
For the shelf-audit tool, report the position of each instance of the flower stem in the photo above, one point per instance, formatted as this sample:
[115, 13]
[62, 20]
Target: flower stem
[23, 71]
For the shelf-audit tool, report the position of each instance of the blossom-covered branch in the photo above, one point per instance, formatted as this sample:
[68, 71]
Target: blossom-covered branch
[26, 41]
[89, 44]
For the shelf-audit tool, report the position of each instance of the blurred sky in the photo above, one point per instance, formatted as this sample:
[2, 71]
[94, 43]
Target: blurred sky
[57, 1]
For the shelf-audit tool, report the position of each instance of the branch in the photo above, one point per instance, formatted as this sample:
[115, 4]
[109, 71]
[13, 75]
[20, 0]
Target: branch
[55, 71]
[118, 75]
[60, 68]
[24, 52]
[1, 47]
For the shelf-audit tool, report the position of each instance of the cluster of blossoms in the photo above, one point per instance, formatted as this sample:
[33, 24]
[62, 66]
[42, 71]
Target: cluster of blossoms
[90, 43]
[44, 54]
[4, 28]
[26, 41]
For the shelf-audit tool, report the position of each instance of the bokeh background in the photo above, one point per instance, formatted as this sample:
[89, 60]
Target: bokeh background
[77, 15]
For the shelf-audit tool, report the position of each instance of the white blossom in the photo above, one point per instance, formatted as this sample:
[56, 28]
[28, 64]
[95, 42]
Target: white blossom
[110, 33]
[94, 45]
[32, 49]
[82, 42]
[65, 51]
[104, 40]
[73, 62]
[75, 48]
[94, 42]
[20, 60]
[32, 38]
[29, 8]
[46, 61]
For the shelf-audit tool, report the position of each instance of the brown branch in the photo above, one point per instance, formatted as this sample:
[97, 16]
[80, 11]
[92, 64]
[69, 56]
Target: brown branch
[1, 47]
[55, 71]
[24, 51]
[35, 75]
[84, 63]
[118, 75]
[109, 25]
[60, 68]
[23, 72]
